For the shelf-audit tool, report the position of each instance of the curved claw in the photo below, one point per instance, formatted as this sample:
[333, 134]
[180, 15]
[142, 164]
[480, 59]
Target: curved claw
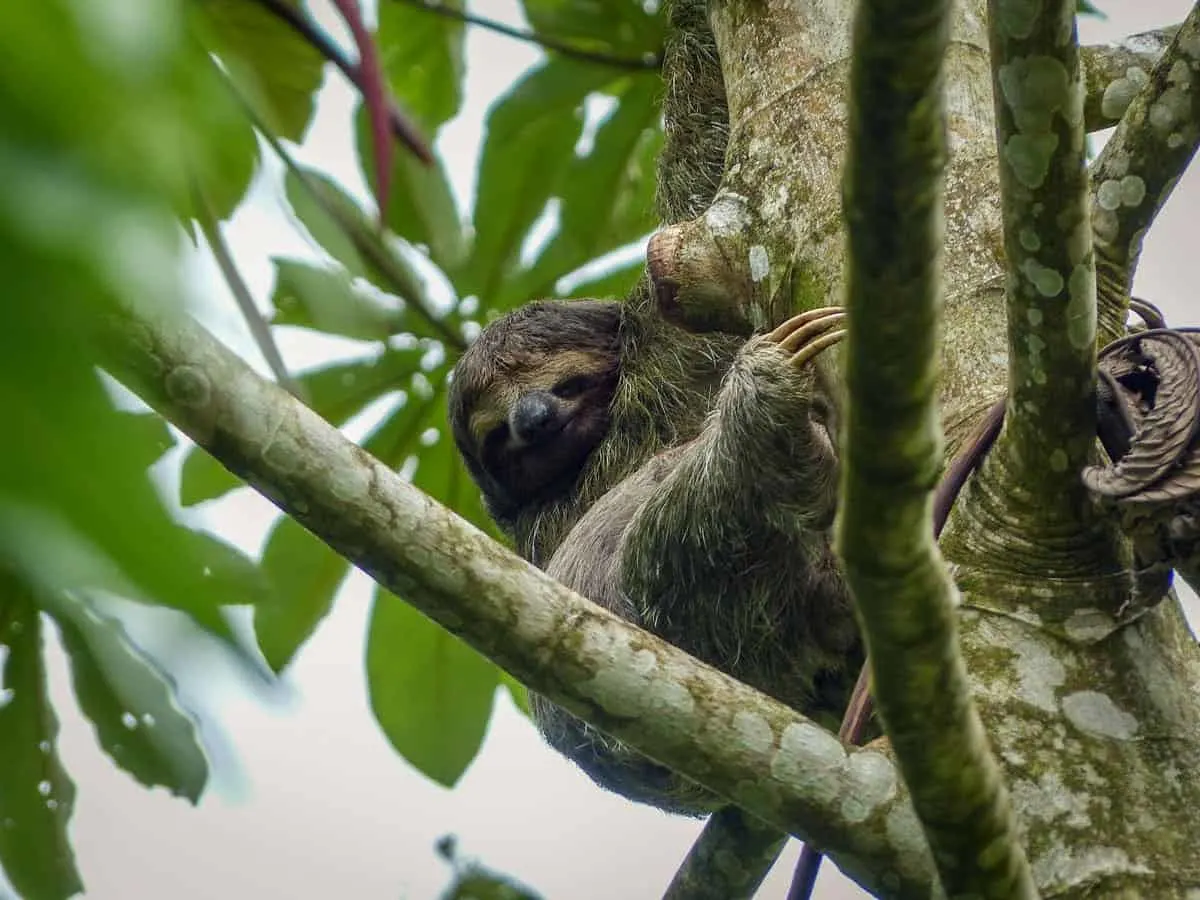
[806, 335]
[805, 318]
[811, 350]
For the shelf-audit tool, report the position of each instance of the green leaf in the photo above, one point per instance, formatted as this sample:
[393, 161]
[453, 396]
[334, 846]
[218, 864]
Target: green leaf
[431, 693]
[422, 57]
[339, 391]
[518, 692]
[442, 475]
[617, 283]
[148, 435]
[306, 575]
[222, 176]
[36, 794]
[531, 136]
[474, 882]
[203, 478]
[78, 512]
[327, 300]
[623, 28]
[608, 196]
[132, 704]
[316, 199]
[273, 66]
[398, 436]
[229, 577]
[337, 223]
[418, 428]
[421, 207]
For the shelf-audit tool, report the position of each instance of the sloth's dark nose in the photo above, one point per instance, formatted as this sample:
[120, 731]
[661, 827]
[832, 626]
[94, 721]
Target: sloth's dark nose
[535, 417]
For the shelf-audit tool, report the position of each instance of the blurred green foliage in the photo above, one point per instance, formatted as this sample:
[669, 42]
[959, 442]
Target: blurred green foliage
[120, 122]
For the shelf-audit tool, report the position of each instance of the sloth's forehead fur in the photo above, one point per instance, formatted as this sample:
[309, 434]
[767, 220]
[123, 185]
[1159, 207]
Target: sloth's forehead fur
[532, 348]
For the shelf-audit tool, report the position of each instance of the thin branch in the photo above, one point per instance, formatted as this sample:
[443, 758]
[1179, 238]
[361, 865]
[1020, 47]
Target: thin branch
[892, 448]
[647, 62]
[376, 97]
[741, 744]
[1050, 421]
[402, 128]
[370, 245]
[861, 707]
[259, 329]
[1113, 74]
[1140, 166]
[729, 860]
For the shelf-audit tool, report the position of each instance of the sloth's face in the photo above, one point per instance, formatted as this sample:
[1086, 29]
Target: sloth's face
[528, 415]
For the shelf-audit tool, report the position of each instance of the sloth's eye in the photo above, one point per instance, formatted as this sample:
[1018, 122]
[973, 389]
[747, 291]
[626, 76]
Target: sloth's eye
[496, 438]
[571, 387]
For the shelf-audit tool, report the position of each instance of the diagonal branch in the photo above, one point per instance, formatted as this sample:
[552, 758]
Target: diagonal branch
[649, 62]
[1140, 166]
[892, 449]
[739, 743]
[1114, 73]
[369, 243]
[729, 860]
[403, 130]
[1050, 421]
[259, 329]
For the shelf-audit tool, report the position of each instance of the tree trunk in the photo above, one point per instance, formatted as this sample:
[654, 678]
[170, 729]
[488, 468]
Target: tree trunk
[1086, 688]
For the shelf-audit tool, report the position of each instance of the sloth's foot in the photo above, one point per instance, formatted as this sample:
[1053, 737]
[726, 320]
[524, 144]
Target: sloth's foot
[806, 335]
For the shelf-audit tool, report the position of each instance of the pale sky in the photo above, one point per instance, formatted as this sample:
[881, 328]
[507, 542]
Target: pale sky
[309, 801]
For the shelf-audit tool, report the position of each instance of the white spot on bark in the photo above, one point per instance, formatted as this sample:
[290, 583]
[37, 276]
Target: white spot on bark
[629, 680]
[905, 835]
[760, 263]
[874, 779]
[755, 731]
[1096, 714]
[1108, 195]
[1133, 190]
[350, 482]
[1047, 281]
[1049, 800]
[1038, 673]
[1059, 869]
[727, 216]
[812, 759]
[1086, 626]
[1028, 155]
[1120, 93]
[1105, 223]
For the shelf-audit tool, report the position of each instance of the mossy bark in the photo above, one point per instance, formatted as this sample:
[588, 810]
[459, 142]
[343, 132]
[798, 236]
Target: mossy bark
[1086, 688]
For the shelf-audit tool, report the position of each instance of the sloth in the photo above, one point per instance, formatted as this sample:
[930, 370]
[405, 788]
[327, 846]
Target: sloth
[686, 482]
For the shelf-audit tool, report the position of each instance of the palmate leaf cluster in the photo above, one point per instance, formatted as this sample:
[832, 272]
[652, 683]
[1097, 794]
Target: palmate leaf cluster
[126, 125]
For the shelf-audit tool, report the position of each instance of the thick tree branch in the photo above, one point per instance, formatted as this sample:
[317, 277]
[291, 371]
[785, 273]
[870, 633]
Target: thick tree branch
[741, 744]
[892, 449]
[1050, 421]
[648, 62]
[1114, 73]
[1140, 166]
